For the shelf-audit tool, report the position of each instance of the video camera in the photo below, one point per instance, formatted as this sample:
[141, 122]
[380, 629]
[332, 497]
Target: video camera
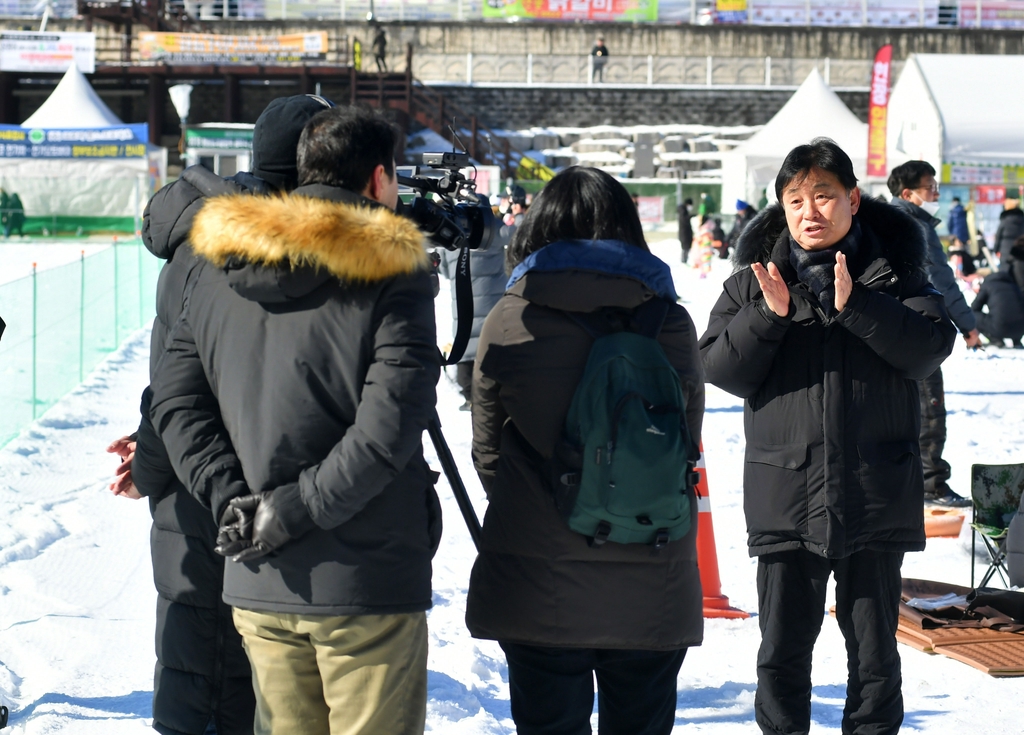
[458, 217]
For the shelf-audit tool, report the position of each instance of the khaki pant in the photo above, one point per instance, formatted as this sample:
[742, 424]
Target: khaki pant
[327, 675]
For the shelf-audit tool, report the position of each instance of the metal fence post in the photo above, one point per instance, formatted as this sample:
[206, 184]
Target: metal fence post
[710, 71]
[138, 250]
[767, 71]
[650, 69]
[828, 71]
[81, 322]
[529, 68]
[35, 309]
[117, 285]
[469, 68]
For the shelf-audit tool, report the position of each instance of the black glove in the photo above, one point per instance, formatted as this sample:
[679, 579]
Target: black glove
[255, 525]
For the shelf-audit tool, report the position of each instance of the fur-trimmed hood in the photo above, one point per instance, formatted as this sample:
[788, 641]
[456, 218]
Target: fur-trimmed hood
[900, 237]
[294, 242]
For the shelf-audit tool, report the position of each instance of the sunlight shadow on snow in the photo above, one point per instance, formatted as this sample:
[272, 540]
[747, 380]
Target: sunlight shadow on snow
[135, 704]
[453, 700]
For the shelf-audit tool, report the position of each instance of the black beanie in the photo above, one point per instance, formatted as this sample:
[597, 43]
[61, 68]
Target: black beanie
[276, 138]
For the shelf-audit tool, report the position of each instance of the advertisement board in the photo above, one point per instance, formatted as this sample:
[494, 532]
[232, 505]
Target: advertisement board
[730, 11]
[994, 14]
[207, 48]
[128, 141]
[221, 139]
[958, 173]
[627, 11]
[844, 12]
[47, 52]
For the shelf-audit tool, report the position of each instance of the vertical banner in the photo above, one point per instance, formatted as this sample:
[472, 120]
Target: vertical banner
[878, 112]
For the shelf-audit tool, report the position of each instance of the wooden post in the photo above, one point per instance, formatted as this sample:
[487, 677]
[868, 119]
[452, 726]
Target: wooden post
[8, 102]
[231, 101]
[157, 95]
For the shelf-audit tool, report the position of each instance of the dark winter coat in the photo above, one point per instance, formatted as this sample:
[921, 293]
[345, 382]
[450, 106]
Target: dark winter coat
[202, 672]
[957, 224]
[1000, 293]
[742, 220]
[487, 268]
[1011, 226]
[939, 272]
[831, 410]
[535, 581]
[313, 320]
[683, 216]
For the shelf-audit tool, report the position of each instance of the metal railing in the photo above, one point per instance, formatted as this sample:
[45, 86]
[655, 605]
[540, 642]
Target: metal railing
[530, 69]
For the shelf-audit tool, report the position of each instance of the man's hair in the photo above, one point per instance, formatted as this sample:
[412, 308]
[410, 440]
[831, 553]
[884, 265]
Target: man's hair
[956, 199]
[820, 153]
[343, 146]
[908, 176]
[578, 204]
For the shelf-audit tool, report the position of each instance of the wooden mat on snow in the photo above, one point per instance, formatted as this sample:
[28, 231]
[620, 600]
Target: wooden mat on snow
[992, 651]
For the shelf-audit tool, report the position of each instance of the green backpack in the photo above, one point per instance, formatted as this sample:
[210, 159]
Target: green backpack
[625, 470]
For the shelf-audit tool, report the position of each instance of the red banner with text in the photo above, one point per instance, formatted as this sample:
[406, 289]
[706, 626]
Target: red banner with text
[878, 111]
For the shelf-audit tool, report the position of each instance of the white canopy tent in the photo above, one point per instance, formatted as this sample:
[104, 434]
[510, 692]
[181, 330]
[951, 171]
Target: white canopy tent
[814, 110]
[86, 192]
[958, 110]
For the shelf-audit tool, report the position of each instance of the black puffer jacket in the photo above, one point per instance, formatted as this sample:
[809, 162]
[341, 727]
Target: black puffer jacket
[832, 412]
[313, 321]
[202, 672]
[1000, 293]
[1011, 226]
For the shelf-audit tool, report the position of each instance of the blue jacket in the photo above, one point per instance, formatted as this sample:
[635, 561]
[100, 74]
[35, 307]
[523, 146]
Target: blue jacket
[957, 224]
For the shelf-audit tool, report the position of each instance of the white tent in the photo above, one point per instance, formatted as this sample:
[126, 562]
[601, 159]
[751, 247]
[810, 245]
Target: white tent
[73, 104]
[958, 110]
[814, 110]
[90, 192]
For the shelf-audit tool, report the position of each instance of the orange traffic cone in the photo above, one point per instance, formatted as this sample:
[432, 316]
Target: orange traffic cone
[716, 605]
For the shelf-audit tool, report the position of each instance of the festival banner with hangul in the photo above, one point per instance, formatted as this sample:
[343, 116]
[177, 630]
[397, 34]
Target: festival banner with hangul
[994, 14]
[125, 141]
[47, 52]
[628, 11]
[208, 48]
[878, 111]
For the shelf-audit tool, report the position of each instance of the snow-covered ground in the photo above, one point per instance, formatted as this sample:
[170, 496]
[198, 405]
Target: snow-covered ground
[77, 601]
[18, 254]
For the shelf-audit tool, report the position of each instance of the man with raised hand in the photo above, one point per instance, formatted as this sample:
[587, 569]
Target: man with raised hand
[824, 330]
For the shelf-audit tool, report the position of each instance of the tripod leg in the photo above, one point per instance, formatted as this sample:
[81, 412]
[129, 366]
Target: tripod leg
[451, 472]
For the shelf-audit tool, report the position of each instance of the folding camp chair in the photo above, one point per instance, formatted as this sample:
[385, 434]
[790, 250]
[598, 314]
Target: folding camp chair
[995, 492]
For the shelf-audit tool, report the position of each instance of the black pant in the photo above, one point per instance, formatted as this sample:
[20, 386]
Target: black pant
[993, 332]
[933, 435]
[464, 378]
[791, 602]
[553, 690]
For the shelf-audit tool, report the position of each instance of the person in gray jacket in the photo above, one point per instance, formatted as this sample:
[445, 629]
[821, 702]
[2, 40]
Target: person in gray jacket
[487, 270]
[916, 192]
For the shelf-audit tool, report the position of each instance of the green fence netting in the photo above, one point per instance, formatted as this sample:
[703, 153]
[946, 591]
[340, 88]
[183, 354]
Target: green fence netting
[63, 321]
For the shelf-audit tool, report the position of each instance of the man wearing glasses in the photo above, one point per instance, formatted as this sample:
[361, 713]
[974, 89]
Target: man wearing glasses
[915, 191]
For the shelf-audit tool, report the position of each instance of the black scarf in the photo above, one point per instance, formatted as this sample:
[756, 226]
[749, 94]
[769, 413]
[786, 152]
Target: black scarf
[816, 268]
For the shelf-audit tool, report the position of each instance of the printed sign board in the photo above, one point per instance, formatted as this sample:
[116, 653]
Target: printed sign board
[223, 139]
[994, 14]
[878, 111]
[208, 48]
[47, 52]
[608, 10]
[127, 141]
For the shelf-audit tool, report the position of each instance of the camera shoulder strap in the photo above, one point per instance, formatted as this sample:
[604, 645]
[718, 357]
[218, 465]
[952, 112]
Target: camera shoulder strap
[463, 308]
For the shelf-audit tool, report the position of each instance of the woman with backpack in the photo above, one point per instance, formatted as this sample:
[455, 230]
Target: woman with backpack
[573, 578]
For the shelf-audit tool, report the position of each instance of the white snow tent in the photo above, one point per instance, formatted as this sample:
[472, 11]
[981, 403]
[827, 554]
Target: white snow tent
[814, 110]
[100, 178]
[962, 114]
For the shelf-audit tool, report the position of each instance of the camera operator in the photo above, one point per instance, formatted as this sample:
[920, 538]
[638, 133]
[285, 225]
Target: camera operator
[487, 269]
[313, 318]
